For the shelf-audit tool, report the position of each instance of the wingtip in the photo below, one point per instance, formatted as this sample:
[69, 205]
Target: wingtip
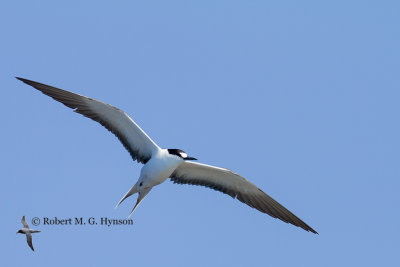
[315, 232]
[312, 231]
[24, 80]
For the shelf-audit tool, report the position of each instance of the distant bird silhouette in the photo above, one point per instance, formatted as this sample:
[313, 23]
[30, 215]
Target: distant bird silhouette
[28, 232]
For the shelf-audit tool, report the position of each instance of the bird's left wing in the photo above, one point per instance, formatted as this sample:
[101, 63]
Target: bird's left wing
[135, 140]
[24, 223]
[29, 240]
[228, 182]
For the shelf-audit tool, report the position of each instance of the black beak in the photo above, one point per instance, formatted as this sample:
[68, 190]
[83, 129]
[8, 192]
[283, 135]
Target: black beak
[190, 158]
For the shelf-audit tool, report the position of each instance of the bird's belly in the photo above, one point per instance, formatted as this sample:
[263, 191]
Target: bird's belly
[157, 171]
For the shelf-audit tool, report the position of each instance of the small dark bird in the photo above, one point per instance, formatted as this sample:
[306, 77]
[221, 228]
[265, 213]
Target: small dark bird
[28, 232]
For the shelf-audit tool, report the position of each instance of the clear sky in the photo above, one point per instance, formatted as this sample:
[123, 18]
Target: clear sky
[300, 97]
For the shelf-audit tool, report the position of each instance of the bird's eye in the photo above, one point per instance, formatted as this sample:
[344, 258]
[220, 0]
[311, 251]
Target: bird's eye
[141, 184]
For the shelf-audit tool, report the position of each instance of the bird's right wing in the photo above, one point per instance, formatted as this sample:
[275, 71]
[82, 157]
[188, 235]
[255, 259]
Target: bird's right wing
[228, 182]
[24, 223]
[135, 140]
[29, 240]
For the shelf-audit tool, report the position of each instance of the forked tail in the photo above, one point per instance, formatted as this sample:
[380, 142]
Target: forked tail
[131, 191]
[141, 196]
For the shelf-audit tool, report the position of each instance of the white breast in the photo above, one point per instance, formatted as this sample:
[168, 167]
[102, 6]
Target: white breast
[159, 168]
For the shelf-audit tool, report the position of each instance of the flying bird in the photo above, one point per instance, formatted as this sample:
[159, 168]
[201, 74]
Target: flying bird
[161, 164]
[28, 232]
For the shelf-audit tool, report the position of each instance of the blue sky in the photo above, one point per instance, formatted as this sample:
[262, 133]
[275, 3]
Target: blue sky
[300, 98]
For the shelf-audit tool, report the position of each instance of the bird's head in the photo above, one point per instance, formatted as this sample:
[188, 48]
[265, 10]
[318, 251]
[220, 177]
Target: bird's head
[20, 232]
[180, 153]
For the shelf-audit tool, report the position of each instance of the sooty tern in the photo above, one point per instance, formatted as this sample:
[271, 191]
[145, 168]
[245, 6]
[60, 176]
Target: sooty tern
[161, 164]
[28, 232]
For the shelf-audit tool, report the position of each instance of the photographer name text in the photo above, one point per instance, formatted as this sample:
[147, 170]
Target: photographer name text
[80, 221]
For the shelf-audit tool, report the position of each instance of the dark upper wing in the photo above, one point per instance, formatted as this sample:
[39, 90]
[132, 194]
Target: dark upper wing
[24, 223]
[29, 240]
[134, 139]
[228, 182]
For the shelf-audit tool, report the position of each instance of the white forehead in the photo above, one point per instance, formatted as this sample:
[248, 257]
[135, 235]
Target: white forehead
[183, 154]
